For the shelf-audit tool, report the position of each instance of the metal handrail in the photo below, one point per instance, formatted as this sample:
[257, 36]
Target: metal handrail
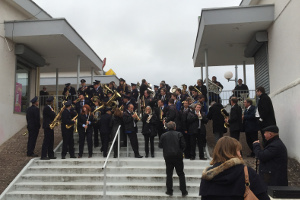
[105, 163]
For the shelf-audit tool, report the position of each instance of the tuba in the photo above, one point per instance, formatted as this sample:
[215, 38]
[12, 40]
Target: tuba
[225, 115]
[212, 87]
[173, 89]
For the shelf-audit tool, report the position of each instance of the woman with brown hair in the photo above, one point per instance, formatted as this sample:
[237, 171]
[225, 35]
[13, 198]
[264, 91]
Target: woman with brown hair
[225, 179]
[85, 130]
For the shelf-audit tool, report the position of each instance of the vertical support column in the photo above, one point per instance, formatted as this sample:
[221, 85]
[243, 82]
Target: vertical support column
[202, 72]
[206, 70]
[236, 75]
[244, 72]
[92, 75]
[78, 71]
[37, 82]
[56, 88]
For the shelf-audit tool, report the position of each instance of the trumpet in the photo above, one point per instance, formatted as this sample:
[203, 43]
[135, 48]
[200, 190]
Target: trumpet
[137, 117]
[225, 115]
[68, 126]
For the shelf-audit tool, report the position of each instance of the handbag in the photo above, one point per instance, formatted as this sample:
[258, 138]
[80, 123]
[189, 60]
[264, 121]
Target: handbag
[248, 195]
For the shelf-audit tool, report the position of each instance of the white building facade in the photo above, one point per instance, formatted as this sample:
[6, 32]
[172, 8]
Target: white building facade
[33, 43]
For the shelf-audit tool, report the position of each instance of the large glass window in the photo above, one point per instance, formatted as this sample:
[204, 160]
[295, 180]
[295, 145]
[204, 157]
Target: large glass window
[22, 88]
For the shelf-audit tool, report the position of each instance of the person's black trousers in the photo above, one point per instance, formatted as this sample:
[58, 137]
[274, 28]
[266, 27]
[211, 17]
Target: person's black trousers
[48, 142]
[32, 137]
[89, 138]
[250, 138]
[147, 138]
[187, 150]
[104, 140]
[197, 139]
[134, 143]
[235, 134]
[96, 134]
[177, 163]
[68, 143]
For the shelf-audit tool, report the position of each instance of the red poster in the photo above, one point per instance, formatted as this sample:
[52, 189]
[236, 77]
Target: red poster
[18, 97]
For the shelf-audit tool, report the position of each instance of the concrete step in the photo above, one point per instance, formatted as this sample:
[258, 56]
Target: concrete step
[136, 178]
[97, 186]
[110, 170]
[123, 154]
[94, 195]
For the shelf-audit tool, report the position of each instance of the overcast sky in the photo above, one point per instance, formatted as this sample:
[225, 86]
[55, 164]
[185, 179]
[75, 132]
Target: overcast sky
[151, 39]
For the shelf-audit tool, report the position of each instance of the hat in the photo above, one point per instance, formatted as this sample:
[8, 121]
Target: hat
[96, 82]
[67, 84]
[50, 99]
[121, 79]
[68, 103]
[82, 81]
[35, 99]
[133, 84]
[272, 128]
[156, 86]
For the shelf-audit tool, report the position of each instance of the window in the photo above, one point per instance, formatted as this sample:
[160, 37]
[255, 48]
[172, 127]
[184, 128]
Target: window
[22, 88]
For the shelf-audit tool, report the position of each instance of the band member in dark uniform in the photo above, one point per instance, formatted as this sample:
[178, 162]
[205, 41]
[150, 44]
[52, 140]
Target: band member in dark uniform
[235, 119]
[122, 89]
[197, 131]
[105, 130]
[215, 115]
[164, 97]
[84, 88]
[240, 88]
[81, 103]
[127, 101]
[183, 113]
[48, 117]
[68, 92]
[111, 86]
[33, 126]
[202, 88]
[97, 90]
[85, 130]
[130, 119]
[156, 92]
[96, 123]
[67, 133]
[116, 121]
[134, 92]
[143, 87]
[149, 130]
[43, 95]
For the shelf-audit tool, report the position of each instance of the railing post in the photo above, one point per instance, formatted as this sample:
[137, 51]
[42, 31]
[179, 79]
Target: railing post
[127, 148]
[119, 134]
[104, 182]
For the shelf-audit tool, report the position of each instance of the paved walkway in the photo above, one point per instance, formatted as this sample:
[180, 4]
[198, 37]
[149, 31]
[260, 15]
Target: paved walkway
[13, 155]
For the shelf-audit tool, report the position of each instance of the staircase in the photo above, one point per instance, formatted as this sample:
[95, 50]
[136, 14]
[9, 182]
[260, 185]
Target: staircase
[83, 178]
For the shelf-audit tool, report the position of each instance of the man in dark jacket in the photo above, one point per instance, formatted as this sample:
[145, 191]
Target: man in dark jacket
[250, 125]
[33, 126]
[235, 119]
[172, 114]
[68, 92]
[202, 88]
[272, 159]
[130, 119]
[173, 145]
[240, 88]
[105, 130]
[215, 115]
[265, 110]
[48, 117]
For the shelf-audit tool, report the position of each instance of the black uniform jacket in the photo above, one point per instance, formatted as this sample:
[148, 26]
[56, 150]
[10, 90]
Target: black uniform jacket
[33, 118]
[215, 115]
[105, 123]
[149, 129]
[266, 111]
[82, 120]
[273, 162]
[48, 117]
[172, 114]
[226, 181]
[235, 118]
[66, 119]
[250, 121]
[135, 94]
[193, 123]
[128, 122]
[173, 144]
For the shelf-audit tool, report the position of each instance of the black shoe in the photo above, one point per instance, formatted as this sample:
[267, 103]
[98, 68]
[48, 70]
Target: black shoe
[45, 158]
[79, 156]
[202, 158]
[96, 145]
[138, 156]
[90, 156]
[147, 155]
[169, 193]
[101, 149]
[53, 157]
[152, 155]
[104, 154]
[115, 156]
[63, 157]
[33, 155]
[72, 156]
[185, 193]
